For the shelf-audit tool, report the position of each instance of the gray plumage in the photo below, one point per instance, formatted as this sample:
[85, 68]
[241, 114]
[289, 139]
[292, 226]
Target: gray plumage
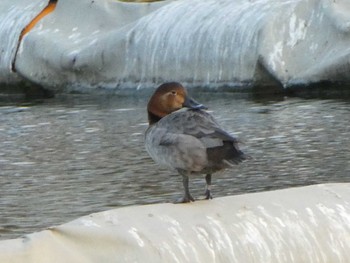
[192, 141]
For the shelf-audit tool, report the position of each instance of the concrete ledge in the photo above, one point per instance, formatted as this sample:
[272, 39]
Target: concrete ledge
[306, 224]
[85, 45]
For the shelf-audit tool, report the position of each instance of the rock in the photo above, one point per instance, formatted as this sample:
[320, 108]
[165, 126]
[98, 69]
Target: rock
[306, 224]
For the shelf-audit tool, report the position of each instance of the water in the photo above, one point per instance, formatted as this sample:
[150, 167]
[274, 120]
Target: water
[68, 157]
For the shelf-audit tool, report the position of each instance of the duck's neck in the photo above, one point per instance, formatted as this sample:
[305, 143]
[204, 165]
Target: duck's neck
[152, 118]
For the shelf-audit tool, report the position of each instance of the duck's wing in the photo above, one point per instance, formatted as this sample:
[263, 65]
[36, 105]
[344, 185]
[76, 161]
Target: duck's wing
[197, 123]
[221, 147]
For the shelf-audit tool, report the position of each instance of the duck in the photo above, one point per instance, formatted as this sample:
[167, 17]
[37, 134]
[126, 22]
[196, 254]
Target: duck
[184, 137]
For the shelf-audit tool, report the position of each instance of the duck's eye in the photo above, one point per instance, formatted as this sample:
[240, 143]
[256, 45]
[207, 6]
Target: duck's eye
[174, 92]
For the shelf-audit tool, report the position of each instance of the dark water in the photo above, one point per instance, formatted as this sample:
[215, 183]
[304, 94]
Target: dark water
[68, 157]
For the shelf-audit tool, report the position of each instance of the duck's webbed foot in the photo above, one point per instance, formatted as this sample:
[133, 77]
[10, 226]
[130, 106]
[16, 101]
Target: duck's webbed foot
[207, 193]
[187, 197]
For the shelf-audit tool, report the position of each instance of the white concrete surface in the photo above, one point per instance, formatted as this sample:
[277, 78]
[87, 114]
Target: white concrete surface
[91, 44]
[306, 224]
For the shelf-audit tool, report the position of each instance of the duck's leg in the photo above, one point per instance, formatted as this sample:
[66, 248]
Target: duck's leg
[208, 190]
[187, 197]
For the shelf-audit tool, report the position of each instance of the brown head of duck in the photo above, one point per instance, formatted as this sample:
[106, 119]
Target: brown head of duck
[167, 98]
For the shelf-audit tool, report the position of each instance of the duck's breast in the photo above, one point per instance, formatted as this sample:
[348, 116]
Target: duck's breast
[169, 146]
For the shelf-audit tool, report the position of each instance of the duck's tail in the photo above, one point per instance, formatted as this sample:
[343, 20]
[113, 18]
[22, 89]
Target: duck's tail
[238, 157]
[226, 155]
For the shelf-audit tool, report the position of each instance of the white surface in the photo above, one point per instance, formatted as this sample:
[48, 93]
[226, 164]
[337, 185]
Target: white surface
[88, 44]
[307, 224]
[14, 16]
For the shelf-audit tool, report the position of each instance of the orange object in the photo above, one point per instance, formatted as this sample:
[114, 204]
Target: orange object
[47, 10]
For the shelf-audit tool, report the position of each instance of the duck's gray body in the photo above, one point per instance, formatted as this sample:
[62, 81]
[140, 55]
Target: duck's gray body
[191, 142]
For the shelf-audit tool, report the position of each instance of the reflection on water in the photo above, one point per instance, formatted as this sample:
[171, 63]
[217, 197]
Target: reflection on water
[66, 158]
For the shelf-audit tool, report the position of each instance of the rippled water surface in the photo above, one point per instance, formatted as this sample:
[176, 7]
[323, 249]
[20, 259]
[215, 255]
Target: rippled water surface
[68, 157]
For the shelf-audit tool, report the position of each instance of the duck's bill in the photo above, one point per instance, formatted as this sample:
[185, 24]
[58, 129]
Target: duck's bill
[192, 104]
